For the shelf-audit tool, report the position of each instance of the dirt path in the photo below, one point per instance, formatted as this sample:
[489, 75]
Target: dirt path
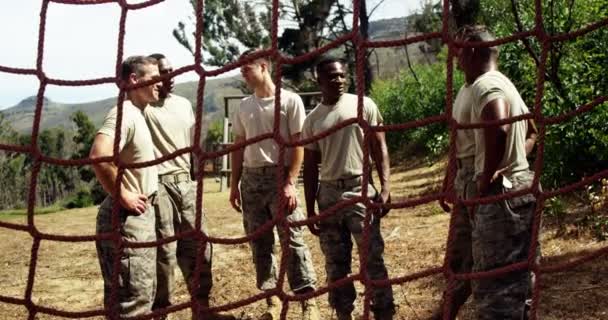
[68, 278]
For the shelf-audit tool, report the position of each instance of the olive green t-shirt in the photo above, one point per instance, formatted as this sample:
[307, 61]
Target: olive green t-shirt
[341, 152]
[255, 117]
[135, 146]
[461, 112]
[487, 87]
[171, 123]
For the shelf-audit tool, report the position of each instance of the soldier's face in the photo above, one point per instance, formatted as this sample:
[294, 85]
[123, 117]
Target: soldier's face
[148, 93]
[165, 67]
[332, 79]
[253, 73]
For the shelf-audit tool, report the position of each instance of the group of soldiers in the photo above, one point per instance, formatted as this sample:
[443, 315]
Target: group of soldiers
[158, 202]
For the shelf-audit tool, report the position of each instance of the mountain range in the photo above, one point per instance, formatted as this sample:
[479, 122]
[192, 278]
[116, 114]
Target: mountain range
[54, 114]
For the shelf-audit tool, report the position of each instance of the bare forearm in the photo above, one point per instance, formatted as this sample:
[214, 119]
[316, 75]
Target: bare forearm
[236, 167]
[495, 141]
[531, 136]
[297, 157]
[382, 160]
[311, 180]
[106, 173]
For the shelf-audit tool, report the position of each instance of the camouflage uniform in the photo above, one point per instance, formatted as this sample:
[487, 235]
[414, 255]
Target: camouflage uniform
[336, 244]
[176, 213]
[137, 278]
[502, 233]
[260, 201]
[461, 251]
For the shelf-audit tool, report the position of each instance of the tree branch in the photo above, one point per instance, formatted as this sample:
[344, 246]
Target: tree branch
[520, 28]
[374, 8]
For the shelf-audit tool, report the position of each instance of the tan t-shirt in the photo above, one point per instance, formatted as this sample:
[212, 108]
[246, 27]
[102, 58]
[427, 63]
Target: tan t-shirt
[171, 123]
[465, 138]
[135, 146]
[490, 86]
[255, 116]
[341, 152]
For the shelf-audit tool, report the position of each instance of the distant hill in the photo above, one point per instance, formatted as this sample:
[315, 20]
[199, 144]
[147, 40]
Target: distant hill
[57, 114]
[386, 62]
[387, 28]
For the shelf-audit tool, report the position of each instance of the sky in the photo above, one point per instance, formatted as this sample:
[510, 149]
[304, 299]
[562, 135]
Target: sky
[81, 43]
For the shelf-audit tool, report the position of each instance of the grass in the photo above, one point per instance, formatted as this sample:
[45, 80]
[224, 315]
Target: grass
[4, 214]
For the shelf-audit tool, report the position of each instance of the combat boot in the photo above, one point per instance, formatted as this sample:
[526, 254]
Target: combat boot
[273, 312]
[344, 315]
[384, 314]
[310, 310]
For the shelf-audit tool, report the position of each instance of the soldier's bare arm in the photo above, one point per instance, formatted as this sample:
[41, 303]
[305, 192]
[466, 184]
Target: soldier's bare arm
[235, 177]
[531, 136]
[383, 165]
[495, 139]
[312, 159]
[107, 173]
[297, 156]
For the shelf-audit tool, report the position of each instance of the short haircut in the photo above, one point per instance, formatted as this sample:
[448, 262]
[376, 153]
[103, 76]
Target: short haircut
[157, 56]
[325, 60]
[478, 33]
[135, 64]
[251, 52]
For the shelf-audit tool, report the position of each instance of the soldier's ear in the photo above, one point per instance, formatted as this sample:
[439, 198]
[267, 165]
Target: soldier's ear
[133, 78]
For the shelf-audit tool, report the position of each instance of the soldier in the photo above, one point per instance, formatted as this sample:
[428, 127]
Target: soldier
[341, 157]
[171, 122]
[137, 274]
[256, 169]
[501, 231]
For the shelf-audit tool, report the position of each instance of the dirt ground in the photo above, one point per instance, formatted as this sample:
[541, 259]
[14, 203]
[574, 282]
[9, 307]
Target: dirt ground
[68, 276]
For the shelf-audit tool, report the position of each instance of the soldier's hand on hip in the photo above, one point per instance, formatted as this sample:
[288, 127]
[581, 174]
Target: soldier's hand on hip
[134, 202]
[235, 198]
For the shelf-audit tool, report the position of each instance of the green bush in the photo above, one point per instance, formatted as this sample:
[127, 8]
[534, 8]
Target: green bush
[81, 199]
[408, 98]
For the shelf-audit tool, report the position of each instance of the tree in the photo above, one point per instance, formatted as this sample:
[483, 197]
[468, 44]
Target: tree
[575, 73]
[234, 24]
[84, 140]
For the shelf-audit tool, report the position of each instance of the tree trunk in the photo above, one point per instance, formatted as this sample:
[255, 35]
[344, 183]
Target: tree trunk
[364, 31]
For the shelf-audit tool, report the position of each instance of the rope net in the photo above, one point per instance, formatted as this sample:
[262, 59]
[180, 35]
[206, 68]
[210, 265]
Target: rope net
[280, 221]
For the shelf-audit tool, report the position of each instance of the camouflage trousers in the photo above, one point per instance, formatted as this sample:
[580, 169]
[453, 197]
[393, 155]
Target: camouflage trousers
[260, 202]
[502, 233]
[137, 273]
[176, 213]
[461, 247]
[336, 244]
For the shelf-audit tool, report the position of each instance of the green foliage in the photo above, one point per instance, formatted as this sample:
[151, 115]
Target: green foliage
[81, 199]
[215, 133]
[404, 99]
[84, 140]
[97, 193]
[232, 25]
[575, 75]
[19, 212]
[555, 208]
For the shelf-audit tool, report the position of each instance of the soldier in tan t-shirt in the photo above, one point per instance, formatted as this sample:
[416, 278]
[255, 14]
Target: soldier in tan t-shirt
[501, 231]
[340, 156]
[464, 185]
[171, 122]
[137, 274]
[258, 196]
